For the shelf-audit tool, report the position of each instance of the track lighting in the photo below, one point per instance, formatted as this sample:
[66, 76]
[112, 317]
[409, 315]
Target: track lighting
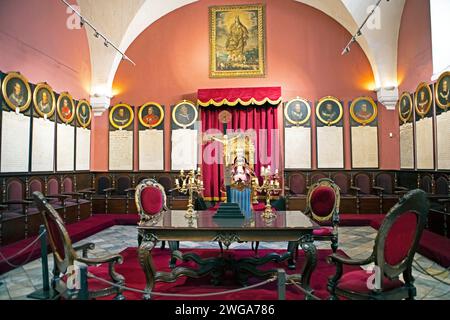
[97, 34]
[358, 32]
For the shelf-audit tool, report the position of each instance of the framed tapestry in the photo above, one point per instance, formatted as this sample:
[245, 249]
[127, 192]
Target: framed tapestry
[237, 41]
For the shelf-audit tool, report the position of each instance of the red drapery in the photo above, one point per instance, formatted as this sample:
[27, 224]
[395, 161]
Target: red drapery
[239, 96]
[263, 120]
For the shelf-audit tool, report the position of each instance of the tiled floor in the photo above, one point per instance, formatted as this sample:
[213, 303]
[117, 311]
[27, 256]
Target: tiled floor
[357, 242]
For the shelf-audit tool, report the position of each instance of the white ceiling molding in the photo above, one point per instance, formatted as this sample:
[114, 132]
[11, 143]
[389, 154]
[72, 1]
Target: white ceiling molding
[124, 21]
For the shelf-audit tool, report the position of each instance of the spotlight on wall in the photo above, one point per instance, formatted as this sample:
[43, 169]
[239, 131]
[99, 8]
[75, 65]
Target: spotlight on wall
[345, 51]
[106, 44]
[96, 34]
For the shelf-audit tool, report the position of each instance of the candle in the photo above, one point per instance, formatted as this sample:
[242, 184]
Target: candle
[276, 171]
[177, 182]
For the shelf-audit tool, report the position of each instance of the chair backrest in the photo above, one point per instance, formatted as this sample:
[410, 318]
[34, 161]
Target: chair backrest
[68, 184]
[166, 182]
[35, 184]
[426, 183]
[385, 181]
[442, 186]
[362, 181]
[103, 182]
[150, 200]
[316, 177]
[123, 183]
[52, 186]
[15, 190]
[297, 184]
[57, 235]
[323, 200]
[400, 232]
[343, 182]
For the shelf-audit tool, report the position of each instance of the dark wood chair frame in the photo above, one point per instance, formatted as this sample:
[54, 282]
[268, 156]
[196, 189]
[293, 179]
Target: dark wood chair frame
[61, 264]
[414, 201]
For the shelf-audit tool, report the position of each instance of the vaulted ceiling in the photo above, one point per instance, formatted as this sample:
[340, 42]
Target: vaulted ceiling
[123, 21]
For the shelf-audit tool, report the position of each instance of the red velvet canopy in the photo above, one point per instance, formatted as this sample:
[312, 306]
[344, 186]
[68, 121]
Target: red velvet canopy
[242, 96]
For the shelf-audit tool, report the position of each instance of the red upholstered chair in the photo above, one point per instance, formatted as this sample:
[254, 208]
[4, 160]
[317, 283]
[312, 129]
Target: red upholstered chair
[393, 253]
[65, 255]
[151, 204]
[323, 207]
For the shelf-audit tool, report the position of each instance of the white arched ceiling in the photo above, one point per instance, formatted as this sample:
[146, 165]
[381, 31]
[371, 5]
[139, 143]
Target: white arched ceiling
[123, 21]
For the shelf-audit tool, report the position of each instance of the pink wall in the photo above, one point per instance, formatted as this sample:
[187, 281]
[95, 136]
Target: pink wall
[415, 61]
[36, 42]
[303, 57]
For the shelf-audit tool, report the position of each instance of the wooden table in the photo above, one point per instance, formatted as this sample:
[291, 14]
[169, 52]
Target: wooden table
[287, 226]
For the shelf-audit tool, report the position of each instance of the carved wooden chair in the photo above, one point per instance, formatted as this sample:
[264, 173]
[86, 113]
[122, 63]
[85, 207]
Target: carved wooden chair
[385, 187]
[393, 253]
[295, 191]
[322, 206]
[65, 255]
[367, 201]
[104, 190]
[151, 203]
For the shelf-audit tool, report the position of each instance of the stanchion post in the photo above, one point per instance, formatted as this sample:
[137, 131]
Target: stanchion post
[46, 292]
[281, 278]
[83, 294]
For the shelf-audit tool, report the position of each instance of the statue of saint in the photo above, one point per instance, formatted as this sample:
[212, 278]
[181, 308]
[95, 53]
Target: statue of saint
[236, 41]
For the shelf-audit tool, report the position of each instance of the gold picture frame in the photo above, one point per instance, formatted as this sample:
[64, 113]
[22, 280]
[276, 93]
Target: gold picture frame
[301, 119]
[7, 91]
[360, 116]
[439, 96]
[145, 122]
[80, 118]
[237, 41]
[335, 119]
[127, 122]
[423, 106]
[189, 122]
[64, 115]
[404, 114]
[37, 103]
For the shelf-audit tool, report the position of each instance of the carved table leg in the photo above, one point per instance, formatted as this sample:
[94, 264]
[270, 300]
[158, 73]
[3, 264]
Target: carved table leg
[147, 264]
[292, 248]
[307, 244]
[174, 246]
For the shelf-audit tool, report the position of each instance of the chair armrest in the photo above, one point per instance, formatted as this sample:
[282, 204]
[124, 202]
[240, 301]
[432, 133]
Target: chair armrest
[109, 189]
[58, 196]
[444, 200]
[439, 212]
[76, 194]
[401, 189]
[105, 259]
[378, 188]
[23, 202]
[336, 258]
[3, 207]
[85, 247]
[129, 189]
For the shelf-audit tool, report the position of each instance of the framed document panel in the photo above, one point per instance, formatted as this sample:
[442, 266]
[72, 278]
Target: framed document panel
[151, 137]
[44, 115]
[405, 108]
[423, 102]
[121, 133]
[330, 133]
[15, 123]
[83, 145]
[184, 136]
[364, 133]
[297, 134]
[442, 98]
[65, 133]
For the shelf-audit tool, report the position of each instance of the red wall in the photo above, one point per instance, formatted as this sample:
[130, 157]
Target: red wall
[35, 41]
[415, 60]
[303, 57]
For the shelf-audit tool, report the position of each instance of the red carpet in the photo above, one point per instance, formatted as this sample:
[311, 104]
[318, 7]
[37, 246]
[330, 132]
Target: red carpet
[135, 277]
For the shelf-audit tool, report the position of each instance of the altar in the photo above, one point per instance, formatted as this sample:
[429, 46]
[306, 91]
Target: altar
[240, 143]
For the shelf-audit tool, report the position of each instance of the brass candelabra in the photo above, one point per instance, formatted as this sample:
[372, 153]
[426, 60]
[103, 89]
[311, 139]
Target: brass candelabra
[189, 183]
[270, 185]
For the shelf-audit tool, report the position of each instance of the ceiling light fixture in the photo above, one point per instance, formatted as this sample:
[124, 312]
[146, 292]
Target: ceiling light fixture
[358, 32]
